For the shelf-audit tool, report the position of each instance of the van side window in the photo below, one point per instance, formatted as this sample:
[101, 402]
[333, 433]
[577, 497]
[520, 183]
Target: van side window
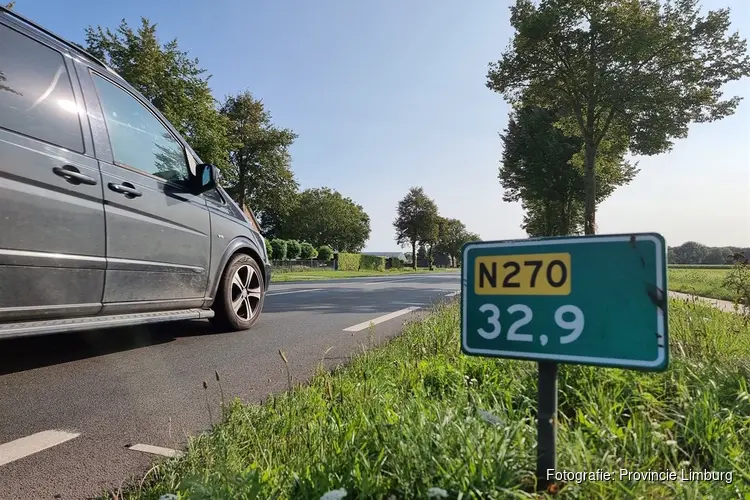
[139, 140]
[36, 97]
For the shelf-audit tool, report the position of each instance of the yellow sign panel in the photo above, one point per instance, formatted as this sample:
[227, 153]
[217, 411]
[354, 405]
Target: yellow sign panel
[530, 274]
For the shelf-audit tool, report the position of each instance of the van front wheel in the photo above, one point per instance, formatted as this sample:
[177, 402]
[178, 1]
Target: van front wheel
[241, 292]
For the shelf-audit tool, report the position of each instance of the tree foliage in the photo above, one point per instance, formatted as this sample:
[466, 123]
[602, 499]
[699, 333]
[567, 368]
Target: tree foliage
[293, 249]
[260, 162]
[5, 87]
[417, 220]
[323, 216]
[542, 167]
[452, 236]
[307, 251]
[640, 70]
[170, 80]
[325, 252]
[692, 252]
[279, 248]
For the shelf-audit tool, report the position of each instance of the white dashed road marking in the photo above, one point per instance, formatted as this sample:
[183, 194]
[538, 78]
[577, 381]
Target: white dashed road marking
[25, 446]
[361, 326]
[271, 294]
[156, 450]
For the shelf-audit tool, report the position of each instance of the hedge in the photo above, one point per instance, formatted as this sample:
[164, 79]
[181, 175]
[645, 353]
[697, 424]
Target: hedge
[357, 262]
[396, 263]
[269, 249]
[372, 263]
[349, 261]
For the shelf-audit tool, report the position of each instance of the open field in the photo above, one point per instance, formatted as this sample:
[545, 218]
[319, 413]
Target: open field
[416, 414]
[700, 266]
[706, 282]
[326, 274]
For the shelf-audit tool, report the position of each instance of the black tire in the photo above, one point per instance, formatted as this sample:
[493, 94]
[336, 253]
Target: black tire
[231, 305]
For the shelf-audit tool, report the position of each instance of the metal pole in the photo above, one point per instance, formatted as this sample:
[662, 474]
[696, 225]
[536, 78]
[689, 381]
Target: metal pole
[546, 459]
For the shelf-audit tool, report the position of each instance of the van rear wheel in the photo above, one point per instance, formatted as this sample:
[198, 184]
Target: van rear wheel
[241, 292]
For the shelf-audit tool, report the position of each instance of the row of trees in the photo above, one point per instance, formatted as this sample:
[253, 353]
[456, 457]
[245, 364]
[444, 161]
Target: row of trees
[279, 249]
[418, 221]
[591, 81]
[692, 252]
[237, 135]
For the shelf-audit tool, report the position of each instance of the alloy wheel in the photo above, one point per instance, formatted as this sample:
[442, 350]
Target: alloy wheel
[245, 292]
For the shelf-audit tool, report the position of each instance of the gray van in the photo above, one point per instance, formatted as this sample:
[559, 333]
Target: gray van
[107, 216]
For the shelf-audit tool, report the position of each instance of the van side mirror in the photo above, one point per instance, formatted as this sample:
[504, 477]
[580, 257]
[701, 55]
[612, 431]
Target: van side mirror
[206, 176]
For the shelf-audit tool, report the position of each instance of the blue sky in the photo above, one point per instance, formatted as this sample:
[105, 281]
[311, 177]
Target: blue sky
[390, 94]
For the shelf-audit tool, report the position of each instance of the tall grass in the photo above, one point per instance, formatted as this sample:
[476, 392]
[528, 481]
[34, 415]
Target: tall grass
[414, 415]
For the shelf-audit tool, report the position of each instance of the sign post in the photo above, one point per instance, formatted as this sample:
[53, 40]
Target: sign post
[594, 300]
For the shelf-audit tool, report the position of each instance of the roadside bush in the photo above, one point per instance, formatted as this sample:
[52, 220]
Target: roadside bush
[372, 263]
[279, 249]
[307, 251]
[325, 252]
[293, 249]
[738, 281]
[269, 249]
[396, 263]
[349, 261]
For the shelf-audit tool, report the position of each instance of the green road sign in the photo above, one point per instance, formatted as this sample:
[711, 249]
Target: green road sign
[594, 300]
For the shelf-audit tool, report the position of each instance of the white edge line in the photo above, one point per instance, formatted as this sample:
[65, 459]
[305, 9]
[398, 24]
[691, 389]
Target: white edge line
[453, 294]
[156, 450]
[380, 319]
[25, 446]
[294, 291]
[661, 350]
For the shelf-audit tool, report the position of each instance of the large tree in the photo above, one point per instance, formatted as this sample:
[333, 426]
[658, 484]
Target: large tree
[172, 81]
[542, 167]
[640, 69]
[260, 168]
[416, 220]
[452, 236]
[323, 216]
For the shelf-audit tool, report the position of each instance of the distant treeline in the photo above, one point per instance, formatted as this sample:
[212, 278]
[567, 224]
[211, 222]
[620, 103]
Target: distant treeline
[692, 252]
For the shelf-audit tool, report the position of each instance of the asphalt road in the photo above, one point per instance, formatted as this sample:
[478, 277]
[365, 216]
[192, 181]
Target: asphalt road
[72, 405]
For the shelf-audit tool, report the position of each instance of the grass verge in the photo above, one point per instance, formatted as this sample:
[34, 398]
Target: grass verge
[416, 414]
[702, 282]
[313, 274]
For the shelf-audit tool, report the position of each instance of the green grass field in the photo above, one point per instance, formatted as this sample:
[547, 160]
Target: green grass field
[282, 275]
[416, 414]
[706, 282]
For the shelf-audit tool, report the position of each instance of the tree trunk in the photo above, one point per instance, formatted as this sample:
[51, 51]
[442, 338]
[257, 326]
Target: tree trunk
[414, 254]
[241, 180]
[566, 219]
[590, 190]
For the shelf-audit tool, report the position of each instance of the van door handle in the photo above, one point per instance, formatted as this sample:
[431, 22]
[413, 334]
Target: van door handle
[125, 188]
[73, 175]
